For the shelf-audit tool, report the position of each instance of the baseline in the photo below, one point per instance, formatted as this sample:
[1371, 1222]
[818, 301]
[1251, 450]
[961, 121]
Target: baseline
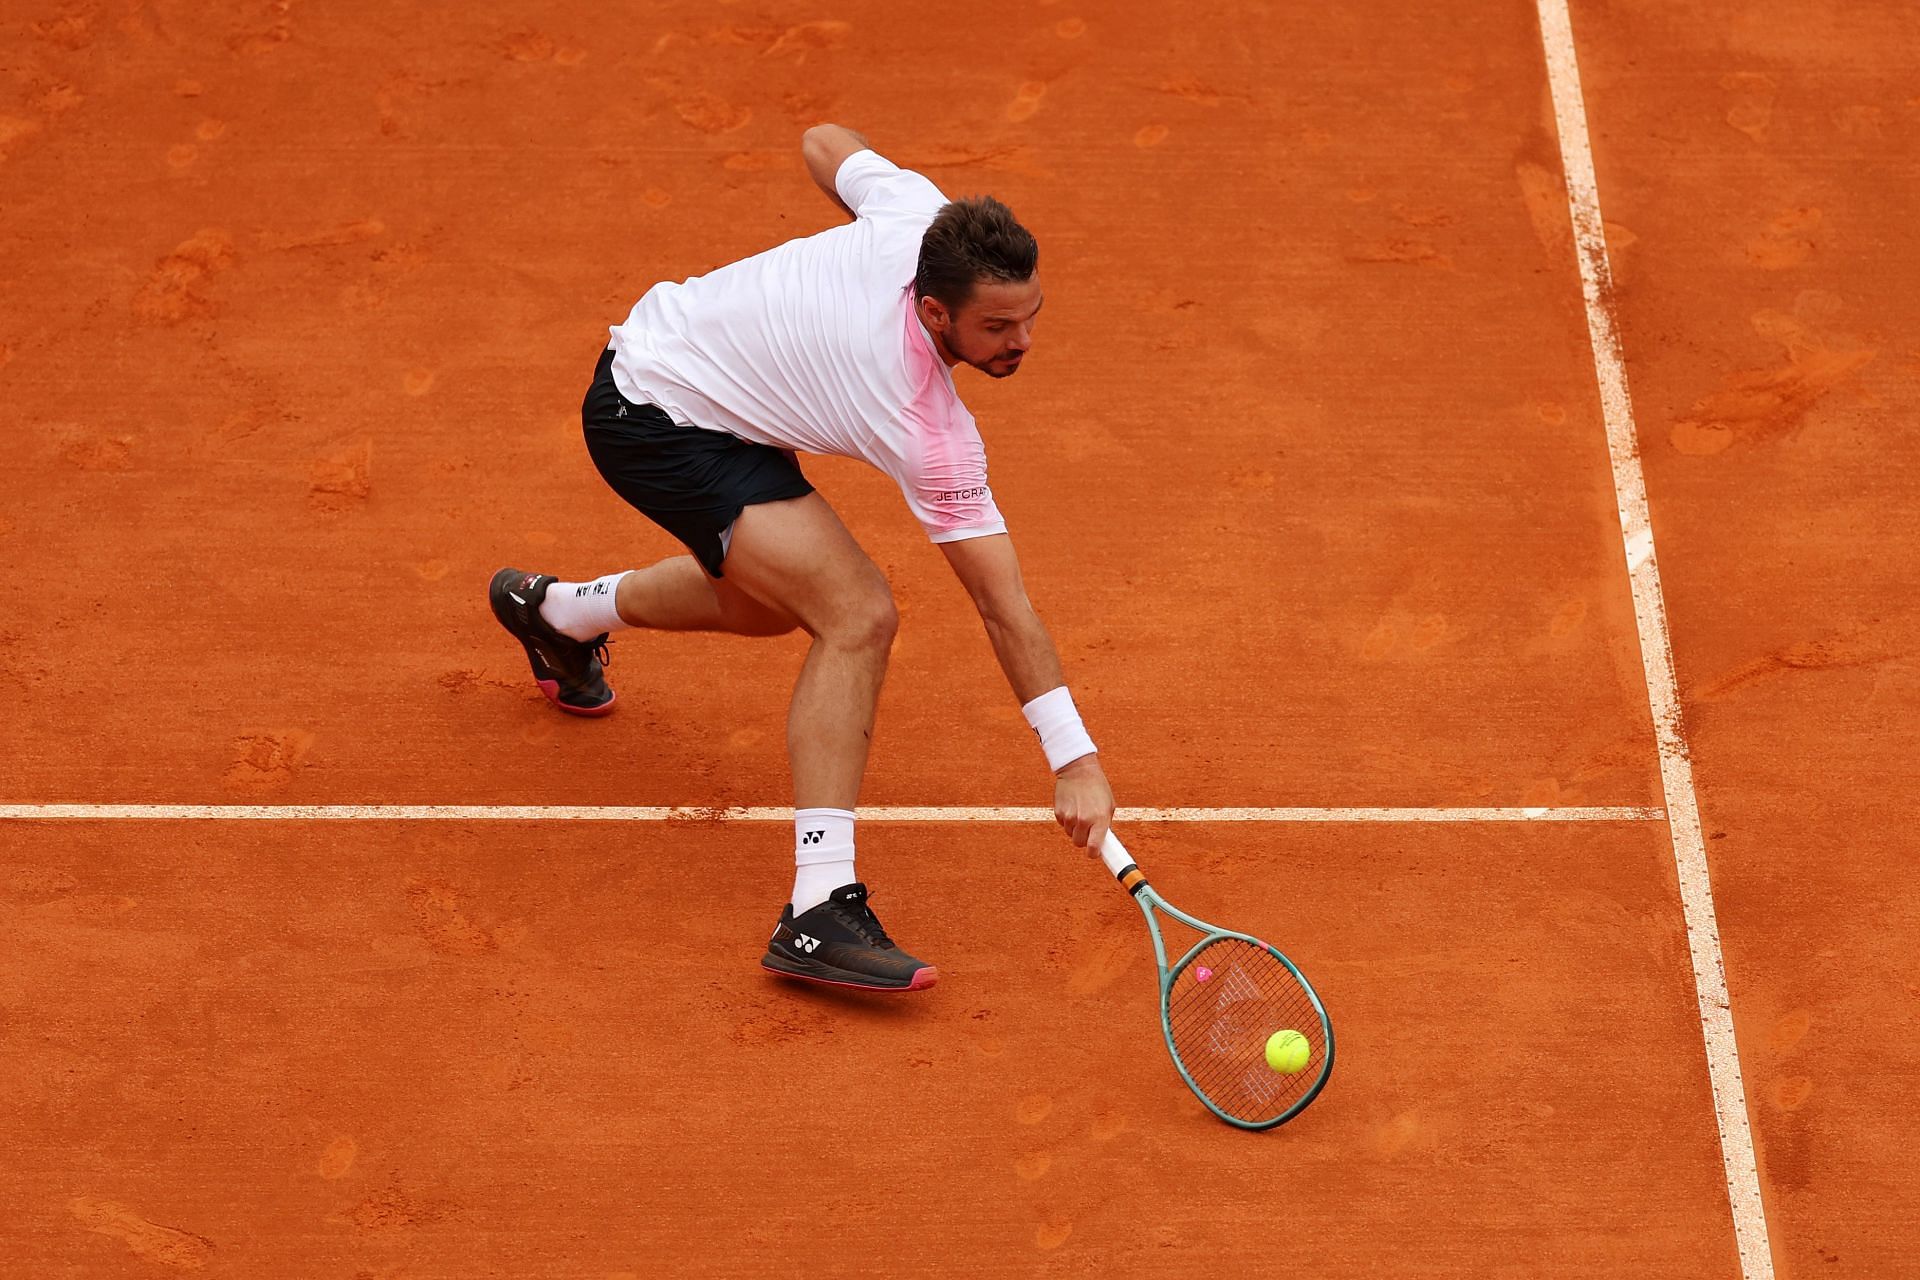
[697, 813]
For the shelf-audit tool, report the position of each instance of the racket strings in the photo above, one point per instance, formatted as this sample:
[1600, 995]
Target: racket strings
[1223, 1006]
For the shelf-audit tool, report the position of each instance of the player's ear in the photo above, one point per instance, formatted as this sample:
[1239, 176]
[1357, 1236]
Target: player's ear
[934, 312]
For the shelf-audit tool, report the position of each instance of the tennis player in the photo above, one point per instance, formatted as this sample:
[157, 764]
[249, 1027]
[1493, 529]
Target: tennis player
[838, 343]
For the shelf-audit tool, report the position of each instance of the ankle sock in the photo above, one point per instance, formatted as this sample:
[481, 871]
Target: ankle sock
[583, 610]
[822, 855]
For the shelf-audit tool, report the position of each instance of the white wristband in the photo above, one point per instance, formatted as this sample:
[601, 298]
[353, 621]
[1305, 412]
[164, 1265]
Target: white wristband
[1062, 736]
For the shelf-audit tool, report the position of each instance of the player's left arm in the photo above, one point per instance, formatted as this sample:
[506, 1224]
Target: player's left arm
[990, 571]
[825, 147]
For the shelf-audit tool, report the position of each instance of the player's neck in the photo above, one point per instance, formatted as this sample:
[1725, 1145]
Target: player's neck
[939, 343]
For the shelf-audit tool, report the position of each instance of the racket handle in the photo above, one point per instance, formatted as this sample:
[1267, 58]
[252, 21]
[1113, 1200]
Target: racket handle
[1120, 862]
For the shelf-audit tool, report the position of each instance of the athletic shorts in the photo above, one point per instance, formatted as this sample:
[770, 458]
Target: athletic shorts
[692, 482]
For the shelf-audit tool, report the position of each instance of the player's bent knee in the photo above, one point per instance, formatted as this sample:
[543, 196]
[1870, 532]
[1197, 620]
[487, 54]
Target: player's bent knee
[871, 624]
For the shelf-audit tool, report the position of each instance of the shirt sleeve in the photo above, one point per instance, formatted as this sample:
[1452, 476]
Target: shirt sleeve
[946, 487]
[871, 184]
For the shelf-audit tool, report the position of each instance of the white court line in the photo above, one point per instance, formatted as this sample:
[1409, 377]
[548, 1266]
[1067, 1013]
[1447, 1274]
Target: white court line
[1656, 649]
[701, 813]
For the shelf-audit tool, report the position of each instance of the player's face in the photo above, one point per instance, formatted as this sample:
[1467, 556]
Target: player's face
[994, 328]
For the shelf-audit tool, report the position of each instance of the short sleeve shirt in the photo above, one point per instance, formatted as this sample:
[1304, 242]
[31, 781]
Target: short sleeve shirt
[814, 345]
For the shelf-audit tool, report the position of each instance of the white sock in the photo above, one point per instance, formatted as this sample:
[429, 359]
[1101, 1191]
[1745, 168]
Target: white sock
[583, 610]
[822, 855]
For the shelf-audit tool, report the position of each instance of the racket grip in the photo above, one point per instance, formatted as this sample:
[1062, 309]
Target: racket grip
[1115, 855]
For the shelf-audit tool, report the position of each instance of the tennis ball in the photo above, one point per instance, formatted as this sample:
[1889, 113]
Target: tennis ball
[1288, 1051]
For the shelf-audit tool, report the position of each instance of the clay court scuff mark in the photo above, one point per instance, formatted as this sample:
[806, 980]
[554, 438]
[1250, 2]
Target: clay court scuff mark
[1786, 240]
[1199, 92]
[1102, 966]
[779, 1022]
[275, 29]
[84, 451]
[1757, 405]
[345, 233]
[267, 761]
[1752, 109]
[442, 917]
[1792, 1093]
[1545, 199]
[798, 40]
[805, 106]
[1007, 158]
[31, 885]
[1403, 1132]
[1422, 215]
[526, 46]
[461, 679]
[1052, 1233]
[241, 423]
[1857, 647]
[1026, 101]
[809, 37]
[72, 30]
[176, 288]
[1401, 250]
[149, 1241]
[1033, 1166]
[14, 130]
[537, 46]
[391, 1209]
[710, 114]
[337, 1160]
[342, 480]
[1789, 1030]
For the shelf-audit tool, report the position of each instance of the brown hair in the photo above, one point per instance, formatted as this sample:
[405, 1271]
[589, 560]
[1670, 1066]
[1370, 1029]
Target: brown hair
[973, 239]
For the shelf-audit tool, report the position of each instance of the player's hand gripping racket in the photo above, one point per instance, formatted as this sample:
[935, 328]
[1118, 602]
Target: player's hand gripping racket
[1219, 1006]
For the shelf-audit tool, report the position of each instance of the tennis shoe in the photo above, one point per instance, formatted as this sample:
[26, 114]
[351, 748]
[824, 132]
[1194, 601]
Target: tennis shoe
[841, 942]
[567, 671]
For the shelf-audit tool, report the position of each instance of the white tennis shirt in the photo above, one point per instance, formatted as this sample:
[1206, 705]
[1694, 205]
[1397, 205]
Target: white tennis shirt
[814, 346]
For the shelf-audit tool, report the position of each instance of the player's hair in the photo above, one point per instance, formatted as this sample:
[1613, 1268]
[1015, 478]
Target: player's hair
[973, 239]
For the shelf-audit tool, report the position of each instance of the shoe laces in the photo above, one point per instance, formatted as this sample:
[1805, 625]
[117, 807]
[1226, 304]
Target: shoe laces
[598, 648]
[860, 918]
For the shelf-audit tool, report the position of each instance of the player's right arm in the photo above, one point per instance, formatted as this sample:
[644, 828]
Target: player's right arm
[990, 571]
[825, 148]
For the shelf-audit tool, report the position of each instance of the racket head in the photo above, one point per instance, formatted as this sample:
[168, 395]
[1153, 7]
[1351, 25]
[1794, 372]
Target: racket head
[1218, 1006]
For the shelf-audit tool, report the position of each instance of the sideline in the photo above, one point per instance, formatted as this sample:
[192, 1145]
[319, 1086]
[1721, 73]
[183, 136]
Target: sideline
[1656, 648]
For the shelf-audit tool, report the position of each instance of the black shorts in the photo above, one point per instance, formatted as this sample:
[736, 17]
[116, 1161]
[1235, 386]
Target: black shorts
[692, 482]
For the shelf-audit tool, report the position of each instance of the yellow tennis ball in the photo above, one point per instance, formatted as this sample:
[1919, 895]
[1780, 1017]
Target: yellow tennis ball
[1288, 1051]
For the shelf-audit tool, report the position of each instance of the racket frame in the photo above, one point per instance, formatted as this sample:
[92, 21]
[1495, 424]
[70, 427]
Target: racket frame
[1134, 881]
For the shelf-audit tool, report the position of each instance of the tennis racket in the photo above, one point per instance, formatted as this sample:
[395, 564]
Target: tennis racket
[1218, 1005]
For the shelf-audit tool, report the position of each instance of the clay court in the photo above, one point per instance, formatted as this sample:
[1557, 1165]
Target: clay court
[1366, 325]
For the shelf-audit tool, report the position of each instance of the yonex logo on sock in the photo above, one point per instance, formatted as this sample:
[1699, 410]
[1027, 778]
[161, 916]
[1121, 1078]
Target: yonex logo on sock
[805, 943]
[812, 837]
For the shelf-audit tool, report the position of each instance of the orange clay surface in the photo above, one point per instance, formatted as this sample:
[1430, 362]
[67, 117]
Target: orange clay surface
[1307, 471]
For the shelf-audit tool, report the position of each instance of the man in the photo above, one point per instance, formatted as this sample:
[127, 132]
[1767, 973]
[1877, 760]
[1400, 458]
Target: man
[836, 343]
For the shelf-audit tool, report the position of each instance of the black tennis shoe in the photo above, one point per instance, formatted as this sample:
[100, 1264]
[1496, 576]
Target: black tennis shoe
[841, 942]
[567, 671]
